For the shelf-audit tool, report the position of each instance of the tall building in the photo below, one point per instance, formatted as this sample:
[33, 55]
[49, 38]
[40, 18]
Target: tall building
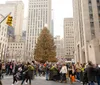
[24, 36]
[69, 38]
[39, 15]
[52, 27]
[87, 30]
[16, 51]
[25, 24]
[17, 12]
[59, 46]
[3, 37]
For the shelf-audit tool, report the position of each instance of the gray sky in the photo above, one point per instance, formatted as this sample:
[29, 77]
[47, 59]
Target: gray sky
[61, 9]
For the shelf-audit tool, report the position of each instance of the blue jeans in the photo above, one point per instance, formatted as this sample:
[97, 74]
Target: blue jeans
[91, 83]
[98, 80]
[47, 76]
[78, 75]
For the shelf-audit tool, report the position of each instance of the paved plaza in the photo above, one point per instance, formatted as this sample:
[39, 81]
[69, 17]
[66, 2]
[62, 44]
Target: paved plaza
[37, 81]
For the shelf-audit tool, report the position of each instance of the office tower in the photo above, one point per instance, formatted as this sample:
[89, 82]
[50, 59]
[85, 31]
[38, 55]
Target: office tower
[39, 14]
[68, 38]
[87, 30]
[16, 8]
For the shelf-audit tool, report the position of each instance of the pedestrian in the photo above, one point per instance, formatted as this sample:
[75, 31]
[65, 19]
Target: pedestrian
[29, 73]
[47, 71]
[63, 72]
[7, 68]
[16, 73]
[40, 70]
[78, 70]
[11, 68]
[24, 74]
[98, 74]
[91, 73]
[71, 72]
[82, 72]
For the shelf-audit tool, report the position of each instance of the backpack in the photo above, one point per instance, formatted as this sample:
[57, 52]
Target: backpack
[31, 67]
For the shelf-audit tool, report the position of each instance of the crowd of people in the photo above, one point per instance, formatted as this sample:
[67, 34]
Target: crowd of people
[25, 72]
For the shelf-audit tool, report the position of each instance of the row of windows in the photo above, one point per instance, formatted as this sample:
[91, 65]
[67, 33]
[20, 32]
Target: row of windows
[68, 53]
[69, 32]
[69, 37]
[91, 19]
[32, 6]
[14, 47]
[37, 2]
[19, 51]
[69, 48]
[3, 31]
[16, 44]
[3, 46]
[69, 42]
[3, 39]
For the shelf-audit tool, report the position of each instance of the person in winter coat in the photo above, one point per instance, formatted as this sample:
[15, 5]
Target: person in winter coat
[47, 71]
[91, 73]
[98, 74]
[15, 74]
[82, 73]
[71, 72]
[63, 72]
[29, 73]
[11, 68]
[53, 72]
[24, 74]
[78, 70]
[85, 79]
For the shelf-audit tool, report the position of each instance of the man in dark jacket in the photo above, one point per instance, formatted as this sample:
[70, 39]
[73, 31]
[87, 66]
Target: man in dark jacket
[98, 74]
[24, 74]
[29, 73]
[91, 73]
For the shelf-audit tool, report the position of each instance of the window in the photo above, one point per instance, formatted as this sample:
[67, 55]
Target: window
[98, 8]
[91, 16]
[90, 9]
[89, 1]
[92, 24]
[98, 1]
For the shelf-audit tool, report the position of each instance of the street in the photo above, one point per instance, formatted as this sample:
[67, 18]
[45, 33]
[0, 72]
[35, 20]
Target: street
[37, 81]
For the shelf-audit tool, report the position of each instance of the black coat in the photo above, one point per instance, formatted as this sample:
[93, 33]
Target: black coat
[91, 73]
[98, 71]
[30, 74]
[85, 79]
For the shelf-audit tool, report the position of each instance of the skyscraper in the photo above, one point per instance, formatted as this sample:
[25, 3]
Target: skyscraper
[87, 30]
[39, 14]
[59, 46]
[3, 37]
[16, 8]
[69, 38]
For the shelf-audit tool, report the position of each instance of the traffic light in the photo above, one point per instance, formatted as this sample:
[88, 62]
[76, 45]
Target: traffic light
[9, 20]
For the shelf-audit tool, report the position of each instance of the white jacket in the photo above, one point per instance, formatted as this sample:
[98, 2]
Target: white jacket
[63, 69]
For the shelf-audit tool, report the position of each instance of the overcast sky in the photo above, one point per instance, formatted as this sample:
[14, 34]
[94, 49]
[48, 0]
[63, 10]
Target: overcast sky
[61, 9]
